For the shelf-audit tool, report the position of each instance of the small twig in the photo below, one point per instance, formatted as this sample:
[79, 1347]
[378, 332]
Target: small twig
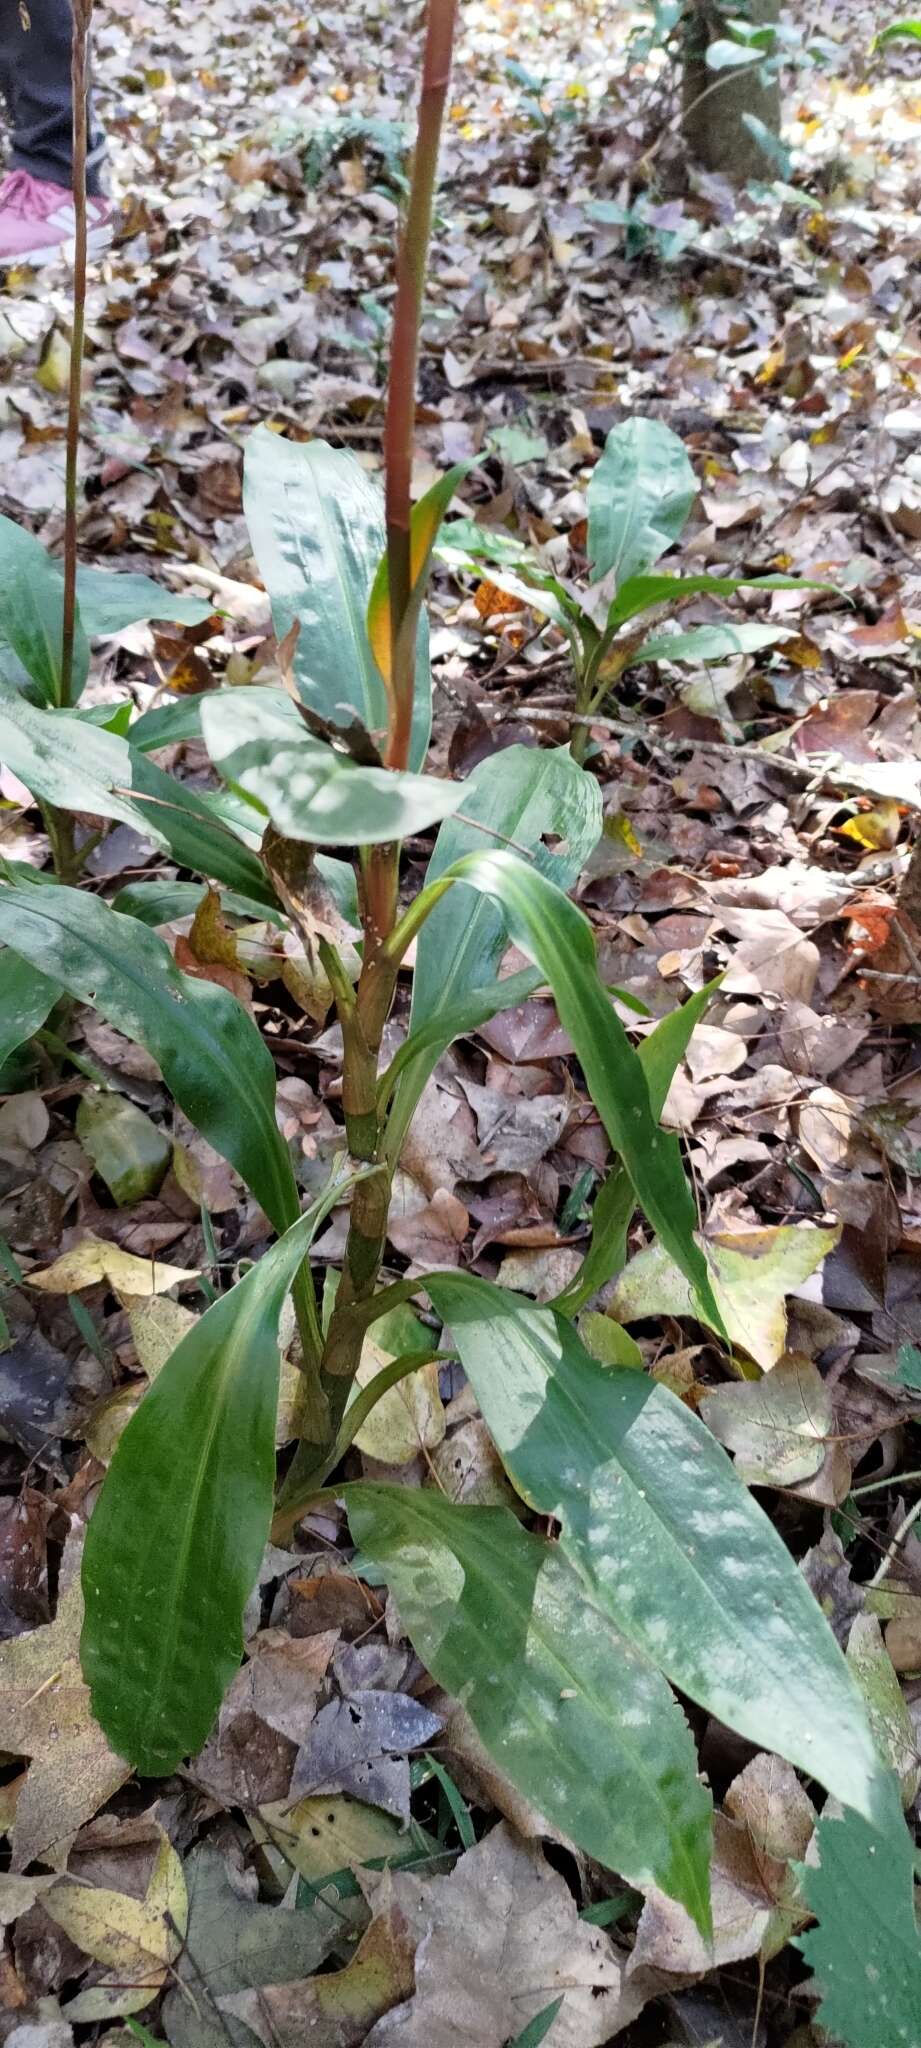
[904, 1528]
[82, 14]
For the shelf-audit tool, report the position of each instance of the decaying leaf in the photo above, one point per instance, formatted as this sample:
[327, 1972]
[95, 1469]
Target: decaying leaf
[751, 1271]
[135, 1939]
[337, 2009]
[45, 1715]
[94, 1260]
[777, 1426]
[498, 1940]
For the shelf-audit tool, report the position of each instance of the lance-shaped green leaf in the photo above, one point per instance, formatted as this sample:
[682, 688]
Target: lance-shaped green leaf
[639, 497]
[559, 939]
[68, 762]
[26, 996]
[640, 593]
[659, 1056]
[177, 1534]
[316, 522]
[157, 903]
[309, 790]
[214, 834]
[209, 1051]
[665, 1535]
[110, 601]
[581, 1721]
[467, 1014]
[709, 643]
[546, 804]
[32, 617]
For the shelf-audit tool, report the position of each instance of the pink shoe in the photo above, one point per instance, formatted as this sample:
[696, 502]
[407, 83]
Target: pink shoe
[37, 221]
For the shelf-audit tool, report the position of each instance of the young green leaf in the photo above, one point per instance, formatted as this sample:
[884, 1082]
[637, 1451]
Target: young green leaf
[546, 804]
[663, 1533]
[639, 497]
[177, 1535]
[708, 643]
[316, 522]
[582, 1723]
[559, 939]
[866, 1950]
[32, 617]
[109, 601]
[209, 1051]
[639, 593]
[310, 791]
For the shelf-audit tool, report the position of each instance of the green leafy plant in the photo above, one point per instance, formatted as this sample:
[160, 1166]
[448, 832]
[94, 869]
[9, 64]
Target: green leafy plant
[640, 497]
[664, 1571]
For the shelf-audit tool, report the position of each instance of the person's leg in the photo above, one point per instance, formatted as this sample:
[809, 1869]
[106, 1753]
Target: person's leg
[35, 48]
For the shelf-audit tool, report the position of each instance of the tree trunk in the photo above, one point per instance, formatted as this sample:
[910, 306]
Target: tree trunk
[714, 102]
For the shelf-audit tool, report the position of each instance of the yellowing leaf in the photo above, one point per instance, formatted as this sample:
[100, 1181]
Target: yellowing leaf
[877, 829]
[92, 1260]
[751, 1272]
[136, 1939]
[425, 521]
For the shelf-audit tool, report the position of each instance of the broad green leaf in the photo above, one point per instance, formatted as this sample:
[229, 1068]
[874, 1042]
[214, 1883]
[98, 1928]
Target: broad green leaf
[72, 764]
[542, 801]
[751, 1275]
[109, 601]
[639, 593]
[709, 643]
[583, 1724]
[309, 790]
[177, 1535]
[213, 834]
[32, 617]
[663, 1533]
[26, 996]
[157, 903]
[209, 1051]
[559, 939]
[866, 1950]
[425, 521]
[316, 522]
[639, 497]
[659, 1055]
[169, 723]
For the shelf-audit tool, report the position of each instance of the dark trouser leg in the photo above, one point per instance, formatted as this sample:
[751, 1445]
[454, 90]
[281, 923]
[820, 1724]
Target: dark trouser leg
[35, 82]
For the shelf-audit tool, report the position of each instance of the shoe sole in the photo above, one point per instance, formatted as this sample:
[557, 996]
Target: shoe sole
[97, 240]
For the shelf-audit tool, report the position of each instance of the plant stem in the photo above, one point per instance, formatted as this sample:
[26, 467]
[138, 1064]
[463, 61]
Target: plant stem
[404, 356]
[82, 14]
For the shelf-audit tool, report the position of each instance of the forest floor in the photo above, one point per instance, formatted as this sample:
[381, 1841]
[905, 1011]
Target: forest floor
[759, 816]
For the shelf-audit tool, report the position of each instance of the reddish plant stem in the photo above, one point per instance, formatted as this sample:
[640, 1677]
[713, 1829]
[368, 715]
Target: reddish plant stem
[82, 14]
[412, 259]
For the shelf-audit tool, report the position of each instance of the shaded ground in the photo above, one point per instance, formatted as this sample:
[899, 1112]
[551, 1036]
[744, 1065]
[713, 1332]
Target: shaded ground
[759, 816]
